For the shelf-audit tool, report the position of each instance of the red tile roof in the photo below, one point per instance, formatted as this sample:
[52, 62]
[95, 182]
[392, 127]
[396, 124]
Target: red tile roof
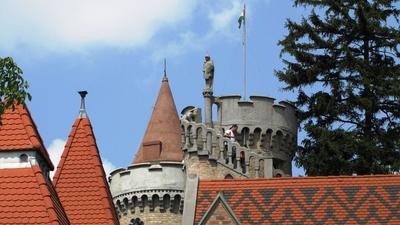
[311, 200]
[26, 197]
[19, 132]
[162, 140]
[80, 180]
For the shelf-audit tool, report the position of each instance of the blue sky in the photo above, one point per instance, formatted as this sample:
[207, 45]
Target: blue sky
[115, 51]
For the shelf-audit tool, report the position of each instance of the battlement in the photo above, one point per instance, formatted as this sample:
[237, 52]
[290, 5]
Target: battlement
[259, 111]
[264, 143]
[166, 176]
[150, 192]
[142, 202]
[236, 160]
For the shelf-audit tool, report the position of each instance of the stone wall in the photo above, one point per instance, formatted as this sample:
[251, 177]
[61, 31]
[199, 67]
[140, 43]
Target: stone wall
[209, 169]
[152, 217]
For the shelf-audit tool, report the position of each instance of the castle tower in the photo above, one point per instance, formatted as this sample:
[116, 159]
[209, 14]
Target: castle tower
[265, 128]
[27, 195]
[264, 143]
[151, 190]
[80, 180]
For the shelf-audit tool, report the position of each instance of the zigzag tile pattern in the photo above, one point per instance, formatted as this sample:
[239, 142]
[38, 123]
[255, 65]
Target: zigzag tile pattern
[80, 180]
[318, 200]
[27, 198]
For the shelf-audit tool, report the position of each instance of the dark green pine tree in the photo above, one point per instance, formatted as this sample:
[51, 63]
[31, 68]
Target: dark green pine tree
[343, 61]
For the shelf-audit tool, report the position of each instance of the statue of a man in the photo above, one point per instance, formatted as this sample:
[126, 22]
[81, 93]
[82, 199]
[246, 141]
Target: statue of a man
[208, 70]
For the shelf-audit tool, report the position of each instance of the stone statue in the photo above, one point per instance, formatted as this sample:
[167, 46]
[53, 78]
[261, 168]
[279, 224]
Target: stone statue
[191, 114]
[208, 71]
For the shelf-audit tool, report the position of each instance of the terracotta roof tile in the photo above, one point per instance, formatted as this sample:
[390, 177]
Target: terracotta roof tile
[19, 132]
[26, 197]
[80, 179]
[311, 200]
[162, 140]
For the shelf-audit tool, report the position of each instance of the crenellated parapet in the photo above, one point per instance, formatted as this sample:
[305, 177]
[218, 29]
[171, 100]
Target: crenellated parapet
[236, 160]
[265, 142]
[151, 192]
[259, 111]
[161, 201]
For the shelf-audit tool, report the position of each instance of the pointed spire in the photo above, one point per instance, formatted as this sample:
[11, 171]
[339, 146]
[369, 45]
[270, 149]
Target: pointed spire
[165, 78]
[162, 140]
[81, 160]
[82, 110]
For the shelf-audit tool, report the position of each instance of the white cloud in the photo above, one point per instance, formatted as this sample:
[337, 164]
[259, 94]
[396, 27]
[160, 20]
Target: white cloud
[108, 167]
[222, 18]
[56, 149]
[76, 25]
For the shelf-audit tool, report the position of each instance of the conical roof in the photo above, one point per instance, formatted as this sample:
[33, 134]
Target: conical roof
[162, 140]
[27, 195]
[19, 132]
[80, 179]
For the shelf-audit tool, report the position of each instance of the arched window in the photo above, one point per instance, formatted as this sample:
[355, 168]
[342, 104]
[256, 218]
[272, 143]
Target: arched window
[166, 202]
[144, 203]
[245, 136]
[136, 221]
[155, 202]
[256, 143]
[199, 138]
[243, 161]
[176, 204]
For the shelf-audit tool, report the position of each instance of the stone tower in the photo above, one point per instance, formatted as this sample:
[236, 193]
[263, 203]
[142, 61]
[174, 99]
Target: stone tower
[151, 190]
[266, 138]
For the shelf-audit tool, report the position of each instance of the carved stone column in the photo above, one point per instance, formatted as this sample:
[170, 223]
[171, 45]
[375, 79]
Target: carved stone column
[208, 101]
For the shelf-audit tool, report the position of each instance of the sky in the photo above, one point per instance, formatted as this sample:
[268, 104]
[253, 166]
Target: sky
[115, 51]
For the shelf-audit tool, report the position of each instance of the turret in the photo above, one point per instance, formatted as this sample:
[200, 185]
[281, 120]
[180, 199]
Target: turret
[263, 145]
[151, 190]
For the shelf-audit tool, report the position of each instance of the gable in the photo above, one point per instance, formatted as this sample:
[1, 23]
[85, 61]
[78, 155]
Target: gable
[219, 213]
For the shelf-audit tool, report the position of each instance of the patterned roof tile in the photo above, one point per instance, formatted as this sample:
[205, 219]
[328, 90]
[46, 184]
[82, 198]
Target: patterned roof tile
[80, 179]
[26, 197]
[311, 200]
[18, 132]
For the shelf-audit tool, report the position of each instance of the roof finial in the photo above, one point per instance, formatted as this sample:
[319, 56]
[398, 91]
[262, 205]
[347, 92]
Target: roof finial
[82, 110]
[165, 78]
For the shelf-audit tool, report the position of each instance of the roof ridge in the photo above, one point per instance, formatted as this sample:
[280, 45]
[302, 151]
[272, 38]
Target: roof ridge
[82, 139]
[101, 177]
[57, 216]
[29, 126]
[302, 178]
[65, 153]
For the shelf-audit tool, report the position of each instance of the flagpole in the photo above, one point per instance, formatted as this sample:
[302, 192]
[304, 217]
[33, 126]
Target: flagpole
[244, 55]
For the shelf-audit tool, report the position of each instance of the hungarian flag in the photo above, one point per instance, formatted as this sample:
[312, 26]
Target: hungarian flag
[242, 17]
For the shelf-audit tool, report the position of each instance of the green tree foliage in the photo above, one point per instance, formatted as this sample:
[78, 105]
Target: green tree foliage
[13, 87]
[343, 62]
